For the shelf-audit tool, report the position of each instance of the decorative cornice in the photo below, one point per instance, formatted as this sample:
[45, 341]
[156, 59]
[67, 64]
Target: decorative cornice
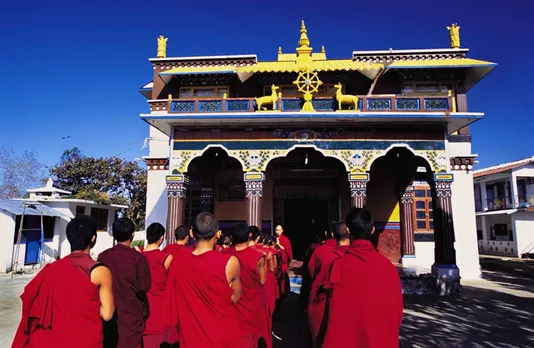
[443, 188]
[462, 163]
[358, 188]
[254, 188]
[157, 163]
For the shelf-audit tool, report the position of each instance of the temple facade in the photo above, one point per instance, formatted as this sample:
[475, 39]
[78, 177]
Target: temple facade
[299, 140]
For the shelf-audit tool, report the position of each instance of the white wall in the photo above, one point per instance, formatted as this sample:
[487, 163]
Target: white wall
[104, 239]
[156, 198]
[463, 214]
[523, 223]
[7, 234]
[424, 256]
[159, 143]
[524, 171]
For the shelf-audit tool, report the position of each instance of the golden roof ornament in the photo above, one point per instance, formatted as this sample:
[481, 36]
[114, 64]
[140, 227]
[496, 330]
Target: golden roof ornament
[304, 41]
[323, 50]
[454, 35]
[279, 49]
[162, 46]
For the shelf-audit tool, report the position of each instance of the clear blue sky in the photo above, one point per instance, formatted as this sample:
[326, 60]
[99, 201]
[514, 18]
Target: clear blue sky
[74, 68]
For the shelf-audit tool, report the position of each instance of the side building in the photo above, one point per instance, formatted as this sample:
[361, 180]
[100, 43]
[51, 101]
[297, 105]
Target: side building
[299, 140]
[504, 203]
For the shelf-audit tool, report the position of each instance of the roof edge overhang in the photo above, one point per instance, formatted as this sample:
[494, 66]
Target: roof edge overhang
[163, 122]
[179, 59]
[411, 51]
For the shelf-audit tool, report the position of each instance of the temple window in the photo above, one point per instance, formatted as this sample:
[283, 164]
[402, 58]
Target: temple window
[289, 91]
[203, 92]
[426, 88]
[422, 211]
[101, 218]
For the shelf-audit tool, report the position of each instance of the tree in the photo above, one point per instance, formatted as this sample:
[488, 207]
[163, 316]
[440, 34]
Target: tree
[18, 173]
[104, 180]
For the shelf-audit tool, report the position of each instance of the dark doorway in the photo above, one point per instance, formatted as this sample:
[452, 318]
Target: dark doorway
[304, 219]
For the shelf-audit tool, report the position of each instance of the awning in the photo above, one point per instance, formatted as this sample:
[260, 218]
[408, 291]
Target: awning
[476, 69]
[370, 70]
[16, 207]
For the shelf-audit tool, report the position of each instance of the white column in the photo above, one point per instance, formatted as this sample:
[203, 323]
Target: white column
[483, 196]
[513, 188]
[484, 227]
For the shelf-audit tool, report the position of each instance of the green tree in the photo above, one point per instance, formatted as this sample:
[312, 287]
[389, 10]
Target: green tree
[104, 180]
[19, 173]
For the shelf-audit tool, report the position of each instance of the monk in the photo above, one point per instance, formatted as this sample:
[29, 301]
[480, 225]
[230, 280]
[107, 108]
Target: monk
[319, 269]
[157, 329]
[358, 277]
[202, 296]
[253, 275]
[306, 279]
[287, 256]
[181, 234]
[68, 297]
[131, 282]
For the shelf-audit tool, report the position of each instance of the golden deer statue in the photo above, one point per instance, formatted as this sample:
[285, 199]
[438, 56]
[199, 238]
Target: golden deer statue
[345, 98]
[270, 99]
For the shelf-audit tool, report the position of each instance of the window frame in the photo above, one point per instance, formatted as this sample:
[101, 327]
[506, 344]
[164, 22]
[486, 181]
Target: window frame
[440, 85]
[193, 88]
[427, 199]
[97, 218]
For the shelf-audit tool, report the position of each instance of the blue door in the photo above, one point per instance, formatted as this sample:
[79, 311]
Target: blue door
[33, 247]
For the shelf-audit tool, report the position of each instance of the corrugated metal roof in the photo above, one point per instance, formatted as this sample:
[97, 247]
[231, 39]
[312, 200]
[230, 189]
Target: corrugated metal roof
[16, 207]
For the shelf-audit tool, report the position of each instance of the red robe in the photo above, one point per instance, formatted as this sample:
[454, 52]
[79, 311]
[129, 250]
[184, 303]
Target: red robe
[306, 279]
[251, 305]
[59, 304]
[157, 329]
[365, 308]
[319, 270]
[199, 300]
[131, 282]
[287, 256]
[174, 249]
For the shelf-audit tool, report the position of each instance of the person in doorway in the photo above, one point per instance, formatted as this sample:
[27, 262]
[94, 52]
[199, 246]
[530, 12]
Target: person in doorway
[71, 295]
[287, 256]
[202, 296]
[353, 316]
[319, 269]
[131, 282]
[181, 234]
[157, 329]
[253, 276]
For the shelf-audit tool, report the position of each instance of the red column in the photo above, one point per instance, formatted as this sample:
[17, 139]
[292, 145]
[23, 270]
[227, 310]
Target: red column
[406, 212]
[176, 194]
[254, 194]
[358, 189]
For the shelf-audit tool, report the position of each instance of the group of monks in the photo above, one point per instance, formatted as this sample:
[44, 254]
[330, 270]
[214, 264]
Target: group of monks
[202, 293]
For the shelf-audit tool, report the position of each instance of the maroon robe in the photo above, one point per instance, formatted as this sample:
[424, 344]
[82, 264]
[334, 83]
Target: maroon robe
[365, 308]
[287, 256]
[61, 307]
[131, 282]
[199, 300]
[174, 249]
[319, 269]
[306, 278]
[251, 304]
[157, 329]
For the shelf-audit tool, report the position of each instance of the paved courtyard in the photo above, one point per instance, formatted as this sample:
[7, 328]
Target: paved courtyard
[495, 312]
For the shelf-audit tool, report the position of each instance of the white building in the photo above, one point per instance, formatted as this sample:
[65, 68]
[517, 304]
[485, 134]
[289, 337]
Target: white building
[58, 210]
[504, 202]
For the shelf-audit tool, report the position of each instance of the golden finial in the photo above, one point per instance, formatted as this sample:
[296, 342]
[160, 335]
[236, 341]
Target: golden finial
[162, 46]
[304, 41]
[279, 49]
[323, 50]
[169, 96]
[454, 35]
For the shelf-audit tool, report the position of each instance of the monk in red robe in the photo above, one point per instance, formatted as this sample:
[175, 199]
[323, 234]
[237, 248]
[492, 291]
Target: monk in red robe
[253, 276]
[365, 308]
[157, 328]
[131, 282]
[202, 290]
[287, 256]
[181, 234]
[319, 269]
[63, 306]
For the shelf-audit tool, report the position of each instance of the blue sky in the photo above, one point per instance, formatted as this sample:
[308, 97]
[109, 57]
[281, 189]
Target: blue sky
[73, 69]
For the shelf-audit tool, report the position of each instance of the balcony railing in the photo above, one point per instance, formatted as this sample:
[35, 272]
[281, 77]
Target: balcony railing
[525, 201]
[522, 201]
[365, 104]
[499, 203]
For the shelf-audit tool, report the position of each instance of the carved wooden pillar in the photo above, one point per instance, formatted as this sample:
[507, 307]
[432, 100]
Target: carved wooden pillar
[206, 199]
[443, 224]
[358, 189]
[254, 193]
[406, 219]
[176, 194]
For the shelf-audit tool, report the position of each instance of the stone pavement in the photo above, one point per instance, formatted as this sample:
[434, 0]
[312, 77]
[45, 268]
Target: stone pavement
[495, 312]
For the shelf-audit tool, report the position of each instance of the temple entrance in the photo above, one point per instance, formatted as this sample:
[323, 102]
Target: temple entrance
[304, 220]
[309, 191]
